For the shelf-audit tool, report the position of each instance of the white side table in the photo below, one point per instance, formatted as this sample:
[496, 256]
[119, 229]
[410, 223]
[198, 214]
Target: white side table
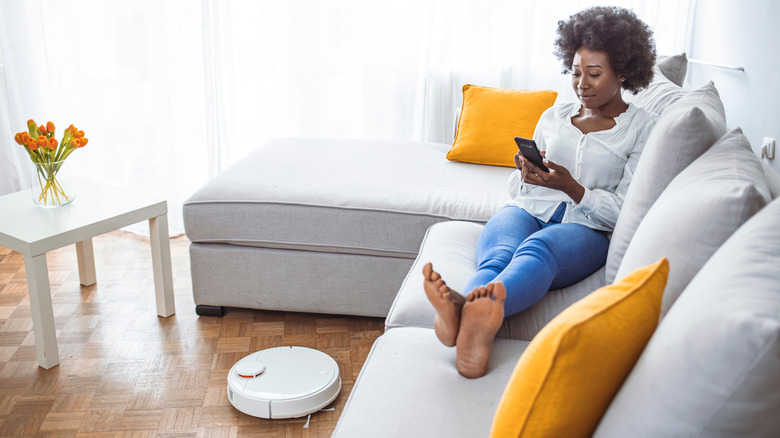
[98, 209]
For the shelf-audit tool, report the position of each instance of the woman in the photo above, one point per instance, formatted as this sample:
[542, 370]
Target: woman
[553, 231]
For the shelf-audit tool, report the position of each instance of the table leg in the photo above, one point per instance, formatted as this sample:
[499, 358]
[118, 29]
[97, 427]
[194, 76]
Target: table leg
[161, 263]
[39, 291]
[86, 258]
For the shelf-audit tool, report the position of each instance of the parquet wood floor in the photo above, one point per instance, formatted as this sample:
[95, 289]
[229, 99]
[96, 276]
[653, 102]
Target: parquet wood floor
[125, 372]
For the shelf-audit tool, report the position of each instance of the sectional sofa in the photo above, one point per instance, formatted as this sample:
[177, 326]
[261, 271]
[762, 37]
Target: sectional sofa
[335, 226]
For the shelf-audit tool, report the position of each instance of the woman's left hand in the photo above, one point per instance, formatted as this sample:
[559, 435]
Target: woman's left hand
[559, 178]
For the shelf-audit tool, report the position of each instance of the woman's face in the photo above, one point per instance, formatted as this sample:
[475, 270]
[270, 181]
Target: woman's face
[593, 79]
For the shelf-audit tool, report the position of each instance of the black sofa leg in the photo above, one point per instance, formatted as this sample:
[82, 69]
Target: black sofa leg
[202, 310]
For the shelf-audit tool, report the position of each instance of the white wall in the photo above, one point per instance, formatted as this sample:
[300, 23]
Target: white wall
[744, 33]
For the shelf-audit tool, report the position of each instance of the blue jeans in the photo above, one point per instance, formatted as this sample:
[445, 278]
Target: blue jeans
[531, 257]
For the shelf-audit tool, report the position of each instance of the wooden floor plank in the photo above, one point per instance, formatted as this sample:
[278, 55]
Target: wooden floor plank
[126, 372]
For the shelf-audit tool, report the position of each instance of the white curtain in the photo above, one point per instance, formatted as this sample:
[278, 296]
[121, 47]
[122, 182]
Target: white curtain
[172, 92]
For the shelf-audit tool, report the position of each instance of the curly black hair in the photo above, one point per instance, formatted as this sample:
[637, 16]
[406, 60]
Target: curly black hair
[626, 39]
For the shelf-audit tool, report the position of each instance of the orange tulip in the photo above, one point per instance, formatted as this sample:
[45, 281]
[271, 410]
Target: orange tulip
[43, 137]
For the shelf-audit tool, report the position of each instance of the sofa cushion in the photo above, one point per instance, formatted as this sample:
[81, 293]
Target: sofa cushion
[491, 118]
[658, 95]
[569, 373]
[409, 387]
[342, 196]
[674, 67]
[666, 86]
[711, 368]
[683, 132]
[698, 211]
[451, 247]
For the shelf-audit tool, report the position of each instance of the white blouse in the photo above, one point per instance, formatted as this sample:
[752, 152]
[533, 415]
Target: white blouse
[603, 162]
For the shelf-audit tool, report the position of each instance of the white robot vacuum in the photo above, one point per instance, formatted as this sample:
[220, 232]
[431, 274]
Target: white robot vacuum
[283, 382]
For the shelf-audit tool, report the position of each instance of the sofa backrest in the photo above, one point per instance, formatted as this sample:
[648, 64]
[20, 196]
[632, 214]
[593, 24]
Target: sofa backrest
[711, 367]
[684, 131]
[698, 211]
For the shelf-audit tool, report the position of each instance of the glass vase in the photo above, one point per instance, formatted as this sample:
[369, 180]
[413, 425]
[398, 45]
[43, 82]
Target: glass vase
[51, 184]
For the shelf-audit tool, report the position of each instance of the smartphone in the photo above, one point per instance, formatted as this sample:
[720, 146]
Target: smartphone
[531, 152]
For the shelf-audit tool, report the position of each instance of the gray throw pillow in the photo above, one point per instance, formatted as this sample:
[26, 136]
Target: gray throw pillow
[674, 67]
[697, 212]
[687, 129]
[712, 368]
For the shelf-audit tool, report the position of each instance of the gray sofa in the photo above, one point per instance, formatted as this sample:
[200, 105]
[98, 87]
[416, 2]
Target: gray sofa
[701, 198]
[335, 226]
[709, 370]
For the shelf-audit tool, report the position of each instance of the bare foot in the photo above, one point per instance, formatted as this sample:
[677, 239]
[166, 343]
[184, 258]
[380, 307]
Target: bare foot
[448, 304]
[481, 318]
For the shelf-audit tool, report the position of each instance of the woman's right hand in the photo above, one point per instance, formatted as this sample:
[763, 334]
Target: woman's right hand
[558, 178]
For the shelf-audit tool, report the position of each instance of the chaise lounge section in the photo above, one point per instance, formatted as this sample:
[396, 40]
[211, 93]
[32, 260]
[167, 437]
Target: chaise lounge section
[326, 225]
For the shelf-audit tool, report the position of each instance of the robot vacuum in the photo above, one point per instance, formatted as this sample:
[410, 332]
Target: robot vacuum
[283, 382]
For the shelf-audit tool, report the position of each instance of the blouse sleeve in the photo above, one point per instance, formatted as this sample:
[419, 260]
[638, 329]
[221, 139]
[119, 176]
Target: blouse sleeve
[517, 187]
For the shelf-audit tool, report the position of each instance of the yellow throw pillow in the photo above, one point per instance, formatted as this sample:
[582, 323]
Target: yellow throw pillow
[566, 378]
[490, 120]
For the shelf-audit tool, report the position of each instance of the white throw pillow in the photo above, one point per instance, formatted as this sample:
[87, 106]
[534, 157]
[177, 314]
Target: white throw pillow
[683, 132]
[658, 95]
[697, 212]
[712, 368]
